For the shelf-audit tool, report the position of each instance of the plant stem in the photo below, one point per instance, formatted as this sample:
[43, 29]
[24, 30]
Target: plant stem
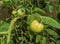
[3, 33]
[11, 28]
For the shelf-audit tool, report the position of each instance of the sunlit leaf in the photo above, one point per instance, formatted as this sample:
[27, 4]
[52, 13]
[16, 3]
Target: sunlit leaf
[50, 21]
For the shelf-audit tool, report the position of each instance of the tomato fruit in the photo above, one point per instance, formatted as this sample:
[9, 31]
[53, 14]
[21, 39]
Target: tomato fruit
[37, 27]
[14, 12]
[20, 13]
[41, 27]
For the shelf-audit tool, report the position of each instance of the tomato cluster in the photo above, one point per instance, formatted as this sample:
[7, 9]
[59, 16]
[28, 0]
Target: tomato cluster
[19, 12]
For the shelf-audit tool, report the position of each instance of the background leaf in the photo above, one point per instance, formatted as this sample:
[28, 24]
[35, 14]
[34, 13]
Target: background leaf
[4, 26]
[49, 8]
[58, 9]
[52, 43]
[58, 41]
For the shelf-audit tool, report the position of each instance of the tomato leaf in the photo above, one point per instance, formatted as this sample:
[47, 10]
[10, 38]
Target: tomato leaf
[32, 17]
[52, 43]
[49, 8]
[38, 38]
[29, 19]
[52, 33]
[38, 10]
[4, 26]
[30, 33]
[58, 41]
[43, 41]
[15, 1]
[58, 9]
[50, 21]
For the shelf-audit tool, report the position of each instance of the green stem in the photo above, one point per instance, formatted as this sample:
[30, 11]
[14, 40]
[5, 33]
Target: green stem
[3, 33]
[11, 28]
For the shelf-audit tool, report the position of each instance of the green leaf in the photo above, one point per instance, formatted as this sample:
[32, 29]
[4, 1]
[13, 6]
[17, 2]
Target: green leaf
[52, 33]
[43, 40]
[50, 21]
[30, 33]
[58, 9]
[58, 41]
[38, 10]
[6, 3]
[38, 38]
[15, 1]
[4, 26]
[52, 43]
[49, 8]
[3, 41]
[32, 17]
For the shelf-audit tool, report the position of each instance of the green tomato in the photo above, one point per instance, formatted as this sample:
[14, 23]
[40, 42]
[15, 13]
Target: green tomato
[20, 13]
[36, 27]
[14, 12]
[41, 27]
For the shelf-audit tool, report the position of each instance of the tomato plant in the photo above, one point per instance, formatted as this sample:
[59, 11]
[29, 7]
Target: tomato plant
[29, 22]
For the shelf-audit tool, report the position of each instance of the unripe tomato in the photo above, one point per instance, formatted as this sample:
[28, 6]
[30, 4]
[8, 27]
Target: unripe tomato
[20, 13]
[41, 27]
[36, 27]
[14, 12]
